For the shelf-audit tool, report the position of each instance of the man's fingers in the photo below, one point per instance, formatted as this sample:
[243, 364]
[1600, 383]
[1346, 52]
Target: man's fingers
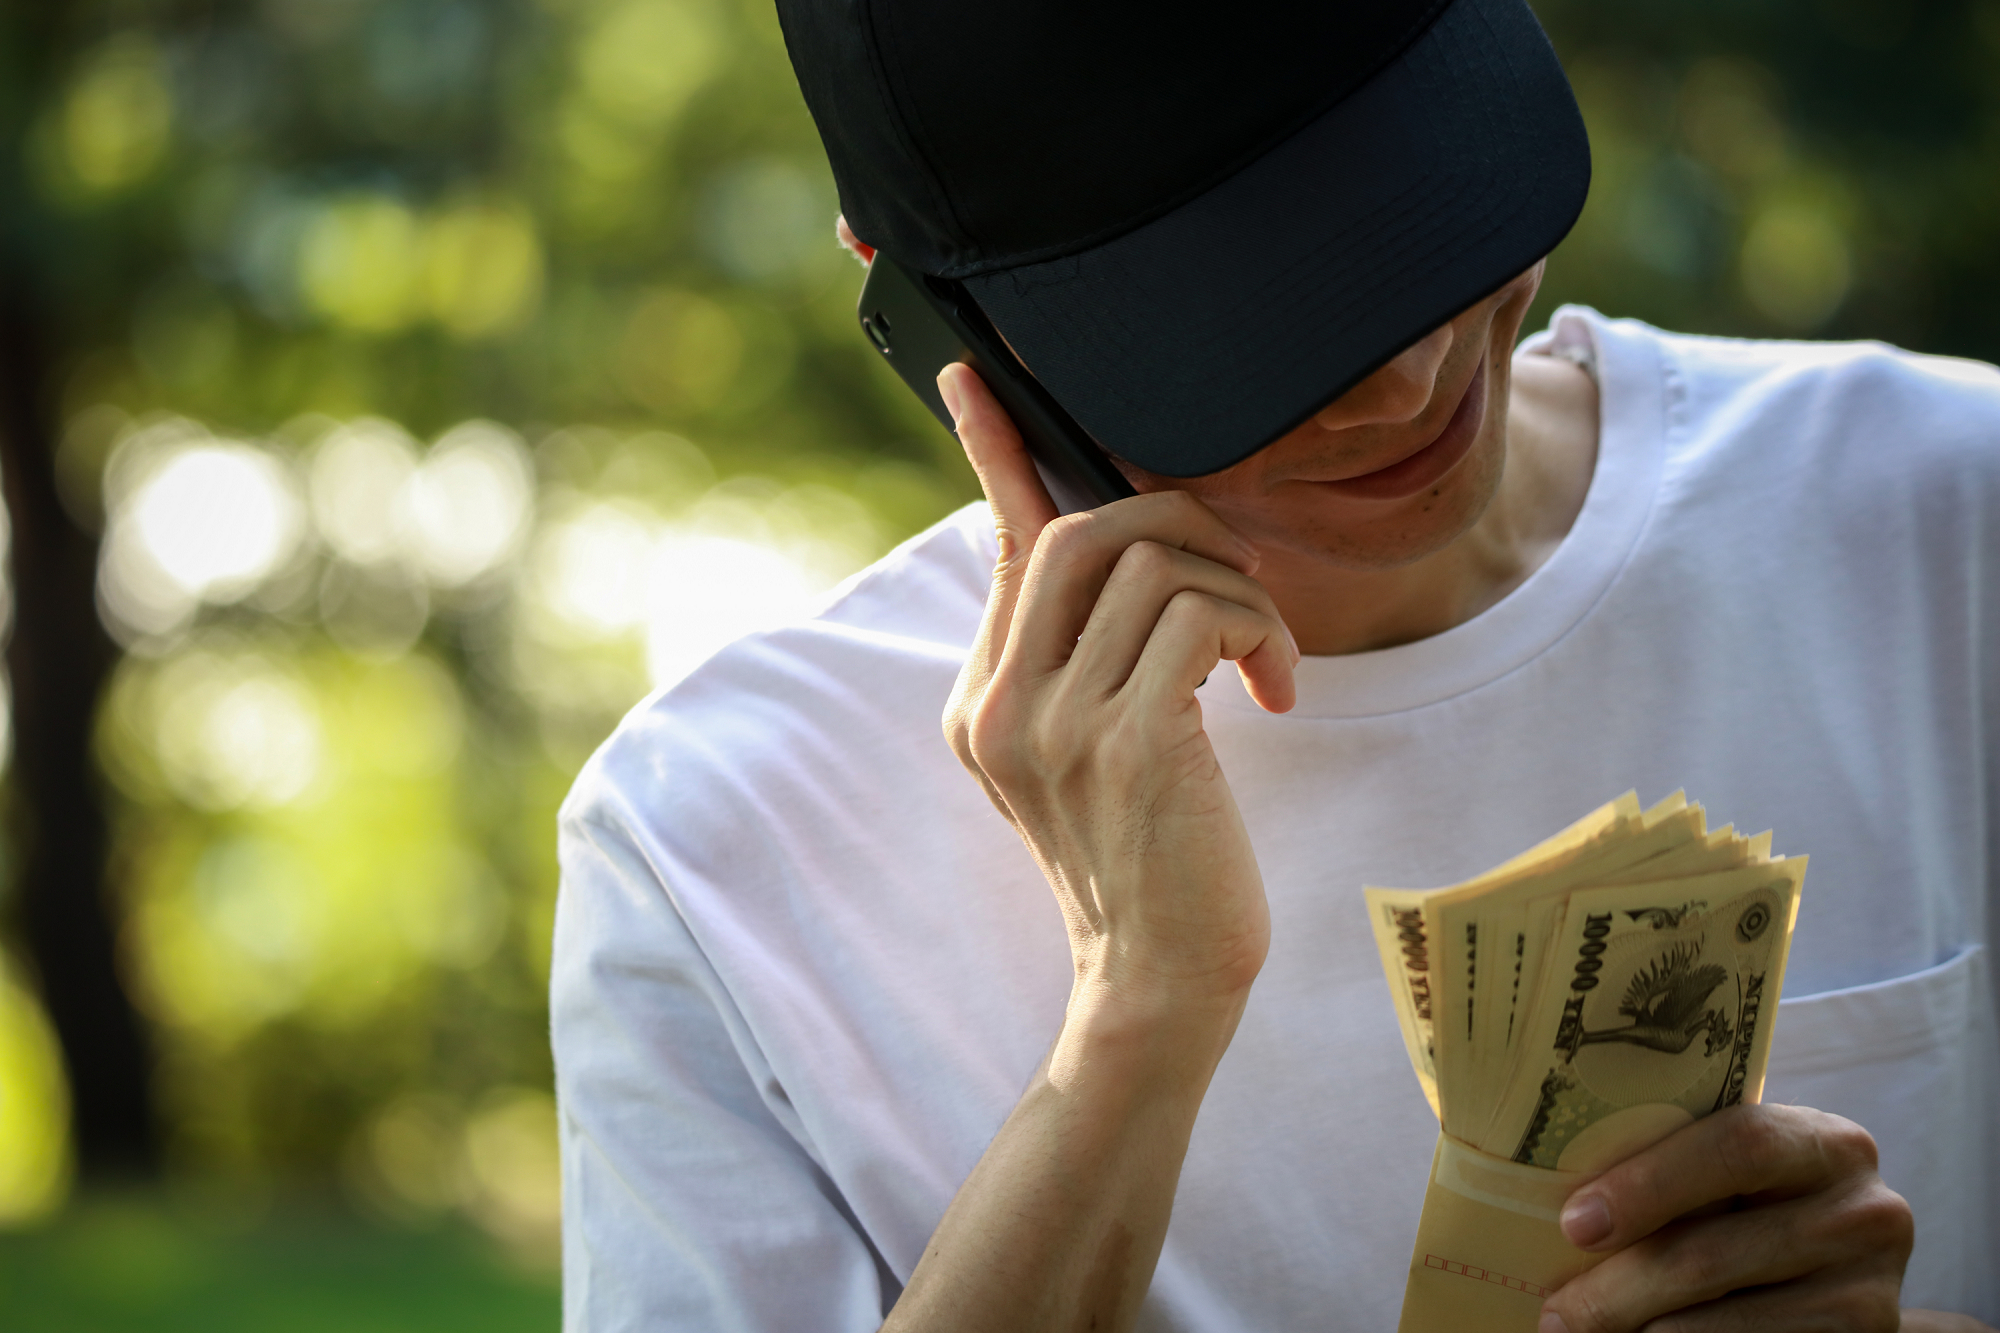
[1775, 1151]
[1937, 1321]
[1194, 632]
[1075, 556]
[1021, 509]
[1807, 1305]
[1144, 579]
[1021, 505]
[1690, 1265]
[1052, 568]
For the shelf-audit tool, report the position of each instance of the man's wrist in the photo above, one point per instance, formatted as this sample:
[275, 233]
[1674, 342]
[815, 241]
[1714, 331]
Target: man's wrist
[1148, 1040]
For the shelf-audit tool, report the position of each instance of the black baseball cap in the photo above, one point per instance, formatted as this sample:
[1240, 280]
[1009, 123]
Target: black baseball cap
[1198, 224]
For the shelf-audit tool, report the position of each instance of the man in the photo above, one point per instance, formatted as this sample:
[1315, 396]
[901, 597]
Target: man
[832, 1057]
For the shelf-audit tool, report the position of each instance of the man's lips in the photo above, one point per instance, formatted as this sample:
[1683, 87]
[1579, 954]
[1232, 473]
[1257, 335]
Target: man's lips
[1427, 465]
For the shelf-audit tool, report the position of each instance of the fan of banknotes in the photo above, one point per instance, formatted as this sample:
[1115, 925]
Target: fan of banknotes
[1565, 1010]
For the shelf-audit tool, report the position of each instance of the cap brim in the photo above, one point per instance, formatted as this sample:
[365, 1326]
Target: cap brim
[1186, 345]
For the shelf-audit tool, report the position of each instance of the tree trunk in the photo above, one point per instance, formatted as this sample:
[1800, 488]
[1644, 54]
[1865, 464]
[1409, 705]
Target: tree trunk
[58, 658]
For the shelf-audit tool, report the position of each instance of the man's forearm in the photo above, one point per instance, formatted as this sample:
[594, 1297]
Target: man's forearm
[1060, 1224]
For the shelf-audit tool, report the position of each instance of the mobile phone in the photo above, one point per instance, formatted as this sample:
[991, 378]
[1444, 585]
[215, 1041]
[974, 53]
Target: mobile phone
[921, 324]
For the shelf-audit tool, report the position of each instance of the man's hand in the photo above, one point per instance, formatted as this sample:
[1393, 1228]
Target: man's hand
[1758, 1217]
[1931, 1321]
[1077, 711]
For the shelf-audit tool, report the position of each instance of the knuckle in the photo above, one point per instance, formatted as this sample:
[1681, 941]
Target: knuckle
[1641, 1184]
[989, 735]
[1583, 1311]
[1881, 1221]
[1147, 562]
[1015, 545]
[1065, 538]
[1185, 608]
[978, 754]
[958, 733]
[1848, 1145]
[1750, 1145]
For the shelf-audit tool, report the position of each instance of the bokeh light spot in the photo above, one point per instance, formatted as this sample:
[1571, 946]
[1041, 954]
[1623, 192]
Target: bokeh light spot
[681, 352]
[642, 59]
[468, 503]
[357, 475]
[1796, 266]
[118, 118]
[361, 263]
[592, 566]
[34, 1150]
[217, 518]
[1728, 118]
[412, 1159]
[235, 732]
[510, 1146]
[457, 915]
[766, 218]
[482, 269]
[192, 519]
[257, 895]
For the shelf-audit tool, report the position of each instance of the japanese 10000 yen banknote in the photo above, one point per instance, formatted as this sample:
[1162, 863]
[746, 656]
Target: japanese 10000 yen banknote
[1405, 937]
[1521, 933]
[1453, 999]
[1675, 845]
[1655, 1010]
[1494, 995]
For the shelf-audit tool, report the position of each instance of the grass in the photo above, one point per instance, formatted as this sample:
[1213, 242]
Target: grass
[148, 1265]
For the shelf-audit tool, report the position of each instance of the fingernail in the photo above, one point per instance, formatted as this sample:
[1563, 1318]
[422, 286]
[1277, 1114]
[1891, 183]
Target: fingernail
[1292, 639]
[948, 390]
[1551, 1323]
[1586, 1221]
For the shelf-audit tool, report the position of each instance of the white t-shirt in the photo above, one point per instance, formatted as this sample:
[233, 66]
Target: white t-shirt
[803, 971]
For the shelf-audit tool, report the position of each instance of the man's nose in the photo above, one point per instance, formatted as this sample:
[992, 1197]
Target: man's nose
[1398, 392]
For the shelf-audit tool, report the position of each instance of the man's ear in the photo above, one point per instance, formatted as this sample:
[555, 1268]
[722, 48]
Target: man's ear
[860, 249]
[1540, 270]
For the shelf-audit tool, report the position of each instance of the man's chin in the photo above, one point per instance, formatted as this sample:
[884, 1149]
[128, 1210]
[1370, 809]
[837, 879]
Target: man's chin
[1407, 533]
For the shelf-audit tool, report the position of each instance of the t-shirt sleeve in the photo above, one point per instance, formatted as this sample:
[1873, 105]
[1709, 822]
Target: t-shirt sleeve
[688, 1207]
[1987, 648]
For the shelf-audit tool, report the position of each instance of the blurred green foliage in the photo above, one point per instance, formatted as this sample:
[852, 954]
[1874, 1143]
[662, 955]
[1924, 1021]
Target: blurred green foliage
[337, 770]
[1790, 168]
[605, 211]
[150, 1266]
[334, 231]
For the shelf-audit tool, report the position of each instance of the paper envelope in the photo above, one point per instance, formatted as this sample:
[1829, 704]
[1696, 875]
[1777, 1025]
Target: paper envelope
[1489, 1249]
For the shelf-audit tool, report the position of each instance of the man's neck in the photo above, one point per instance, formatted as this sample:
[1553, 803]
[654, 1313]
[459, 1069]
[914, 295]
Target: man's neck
[1551, 452]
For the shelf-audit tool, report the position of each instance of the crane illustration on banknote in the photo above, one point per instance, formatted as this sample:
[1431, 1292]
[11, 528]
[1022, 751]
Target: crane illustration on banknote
[1668, 1005]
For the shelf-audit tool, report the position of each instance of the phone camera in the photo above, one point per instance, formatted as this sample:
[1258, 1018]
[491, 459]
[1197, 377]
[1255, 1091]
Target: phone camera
[876, 326]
